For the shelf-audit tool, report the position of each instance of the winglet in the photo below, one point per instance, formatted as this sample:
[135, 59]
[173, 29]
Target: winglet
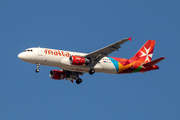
[130, 38]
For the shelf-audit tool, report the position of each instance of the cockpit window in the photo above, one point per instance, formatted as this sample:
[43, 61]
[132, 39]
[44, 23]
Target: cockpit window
[28, 50]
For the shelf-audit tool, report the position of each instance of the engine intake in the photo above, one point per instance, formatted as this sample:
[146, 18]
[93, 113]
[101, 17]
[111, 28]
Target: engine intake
[76, 60]
[57, 74]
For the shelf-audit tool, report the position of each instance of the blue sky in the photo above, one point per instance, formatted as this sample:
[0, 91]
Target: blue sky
[85, 26]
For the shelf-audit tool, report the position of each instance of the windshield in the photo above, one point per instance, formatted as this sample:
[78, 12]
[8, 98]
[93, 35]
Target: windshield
[28, 50]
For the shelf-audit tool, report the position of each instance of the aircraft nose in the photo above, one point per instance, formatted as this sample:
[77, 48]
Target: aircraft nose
[21, 56]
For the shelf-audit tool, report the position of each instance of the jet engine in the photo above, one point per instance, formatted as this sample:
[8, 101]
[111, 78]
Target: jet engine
[76, 60]
[57, 74]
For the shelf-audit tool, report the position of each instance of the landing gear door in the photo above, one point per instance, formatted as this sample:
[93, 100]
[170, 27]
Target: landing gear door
[40, 52]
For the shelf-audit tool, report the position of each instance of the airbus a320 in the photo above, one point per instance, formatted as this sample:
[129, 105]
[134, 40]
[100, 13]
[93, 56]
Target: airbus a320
[74, 64]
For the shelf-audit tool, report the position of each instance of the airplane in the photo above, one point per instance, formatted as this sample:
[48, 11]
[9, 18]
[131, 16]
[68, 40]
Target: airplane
[74, 64]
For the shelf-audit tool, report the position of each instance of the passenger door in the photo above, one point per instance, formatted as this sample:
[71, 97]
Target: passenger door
[40, 51]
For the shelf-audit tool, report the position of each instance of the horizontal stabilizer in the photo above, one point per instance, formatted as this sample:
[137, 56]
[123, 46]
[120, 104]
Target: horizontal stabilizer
[153, 62]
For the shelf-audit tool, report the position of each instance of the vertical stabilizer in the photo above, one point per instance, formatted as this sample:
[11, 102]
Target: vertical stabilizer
[145, 54]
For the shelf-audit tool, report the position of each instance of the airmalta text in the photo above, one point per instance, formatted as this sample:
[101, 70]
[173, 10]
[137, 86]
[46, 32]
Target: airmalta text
[57, 53]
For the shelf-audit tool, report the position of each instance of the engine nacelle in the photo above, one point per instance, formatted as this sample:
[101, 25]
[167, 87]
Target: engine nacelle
[76, 60]
[57, 74]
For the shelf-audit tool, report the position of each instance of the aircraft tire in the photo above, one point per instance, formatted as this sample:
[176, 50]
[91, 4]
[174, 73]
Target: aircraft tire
[79, 80]
[36, 70]
[92, 71]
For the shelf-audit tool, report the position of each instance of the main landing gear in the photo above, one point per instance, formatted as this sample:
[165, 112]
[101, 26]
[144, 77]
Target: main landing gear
[79, 80]
[92, 71]
[37, 70]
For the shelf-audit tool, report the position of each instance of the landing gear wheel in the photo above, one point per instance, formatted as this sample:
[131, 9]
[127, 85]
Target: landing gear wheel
[92, 71]
[79, 80]
[37, 70]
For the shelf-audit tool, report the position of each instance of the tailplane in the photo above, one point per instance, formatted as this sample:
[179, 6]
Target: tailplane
[153, 62]
[145, 54]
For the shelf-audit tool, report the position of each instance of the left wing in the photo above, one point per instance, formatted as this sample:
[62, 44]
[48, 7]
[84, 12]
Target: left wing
[96, 56]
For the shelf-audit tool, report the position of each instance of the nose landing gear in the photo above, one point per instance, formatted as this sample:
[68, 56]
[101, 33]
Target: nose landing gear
[37, 70]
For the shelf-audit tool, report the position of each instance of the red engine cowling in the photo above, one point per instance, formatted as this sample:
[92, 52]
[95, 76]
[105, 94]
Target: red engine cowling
[76, 60]
[57, 74]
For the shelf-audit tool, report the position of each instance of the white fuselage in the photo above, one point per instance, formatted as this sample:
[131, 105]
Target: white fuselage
[60, 58]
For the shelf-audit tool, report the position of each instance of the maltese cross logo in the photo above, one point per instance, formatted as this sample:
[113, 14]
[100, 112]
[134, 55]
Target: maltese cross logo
[148, 56]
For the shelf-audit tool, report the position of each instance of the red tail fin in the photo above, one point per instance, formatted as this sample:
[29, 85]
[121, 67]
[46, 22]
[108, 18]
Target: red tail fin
[145, 53]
